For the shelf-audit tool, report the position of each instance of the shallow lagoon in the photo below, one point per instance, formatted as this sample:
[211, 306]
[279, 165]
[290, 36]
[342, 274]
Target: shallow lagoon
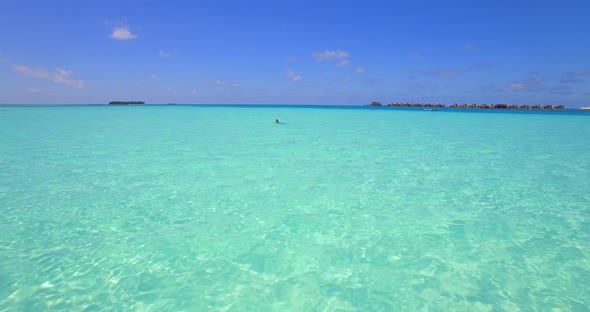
[195, 208]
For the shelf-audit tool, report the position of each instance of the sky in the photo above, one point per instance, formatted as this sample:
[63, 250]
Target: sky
[295, 52]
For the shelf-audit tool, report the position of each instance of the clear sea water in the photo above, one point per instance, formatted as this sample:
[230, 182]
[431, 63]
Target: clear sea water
[204, 208]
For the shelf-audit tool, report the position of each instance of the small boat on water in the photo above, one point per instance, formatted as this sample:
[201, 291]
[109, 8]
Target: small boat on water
[431, 109]
[585, 107]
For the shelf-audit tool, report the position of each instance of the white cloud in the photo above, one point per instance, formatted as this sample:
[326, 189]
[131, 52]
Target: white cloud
[446, 72]
[220, 82]
[360, 69]
[164, 54]
[58, 75]
[295, 76]
[330, 55]
[122, 33]
[523, 85]
[516, 86]
[343, 63]
[153, 76]
[580, 72]
[33, 89]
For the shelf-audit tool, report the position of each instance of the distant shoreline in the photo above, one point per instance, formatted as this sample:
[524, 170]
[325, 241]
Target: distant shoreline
[126, 103]
[566, 111]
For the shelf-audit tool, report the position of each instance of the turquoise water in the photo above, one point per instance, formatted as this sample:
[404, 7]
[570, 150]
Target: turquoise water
[176, 208]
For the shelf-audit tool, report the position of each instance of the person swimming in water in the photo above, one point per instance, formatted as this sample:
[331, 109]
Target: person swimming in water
[277, 120]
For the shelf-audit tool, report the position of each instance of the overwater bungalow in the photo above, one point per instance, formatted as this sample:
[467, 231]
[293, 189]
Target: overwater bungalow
[473, 105]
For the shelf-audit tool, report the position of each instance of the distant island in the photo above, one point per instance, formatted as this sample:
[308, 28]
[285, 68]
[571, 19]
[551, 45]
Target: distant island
[126, 102]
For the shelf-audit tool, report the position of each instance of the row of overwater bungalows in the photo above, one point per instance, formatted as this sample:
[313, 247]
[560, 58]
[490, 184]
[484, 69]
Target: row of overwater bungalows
[480, 106]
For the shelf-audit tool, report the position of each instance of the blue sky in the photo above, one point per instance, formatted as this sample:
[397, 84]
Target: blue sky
[295, 52]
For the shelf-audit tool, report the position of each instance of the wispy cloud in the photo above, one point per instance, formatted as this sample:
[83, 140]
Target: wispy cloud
[522, 85]
[446, 72]
[571, 79]
[330, 55]
[153, 76]
[559, 89]
[470, 47]
[575, 76]
[416, 55]
[294, 76]
[165, 54]
[488, 88]
[3, 59]
[580, 72]
[360, 69]
[122, 33]
[420, 87]
[343, 63]
[220, 82]
[33, 89]
[58, 75]
[479, 66]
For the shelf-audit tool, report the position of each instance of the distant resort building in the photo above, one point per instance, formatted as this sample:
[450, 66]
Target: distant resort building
[474, 105]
